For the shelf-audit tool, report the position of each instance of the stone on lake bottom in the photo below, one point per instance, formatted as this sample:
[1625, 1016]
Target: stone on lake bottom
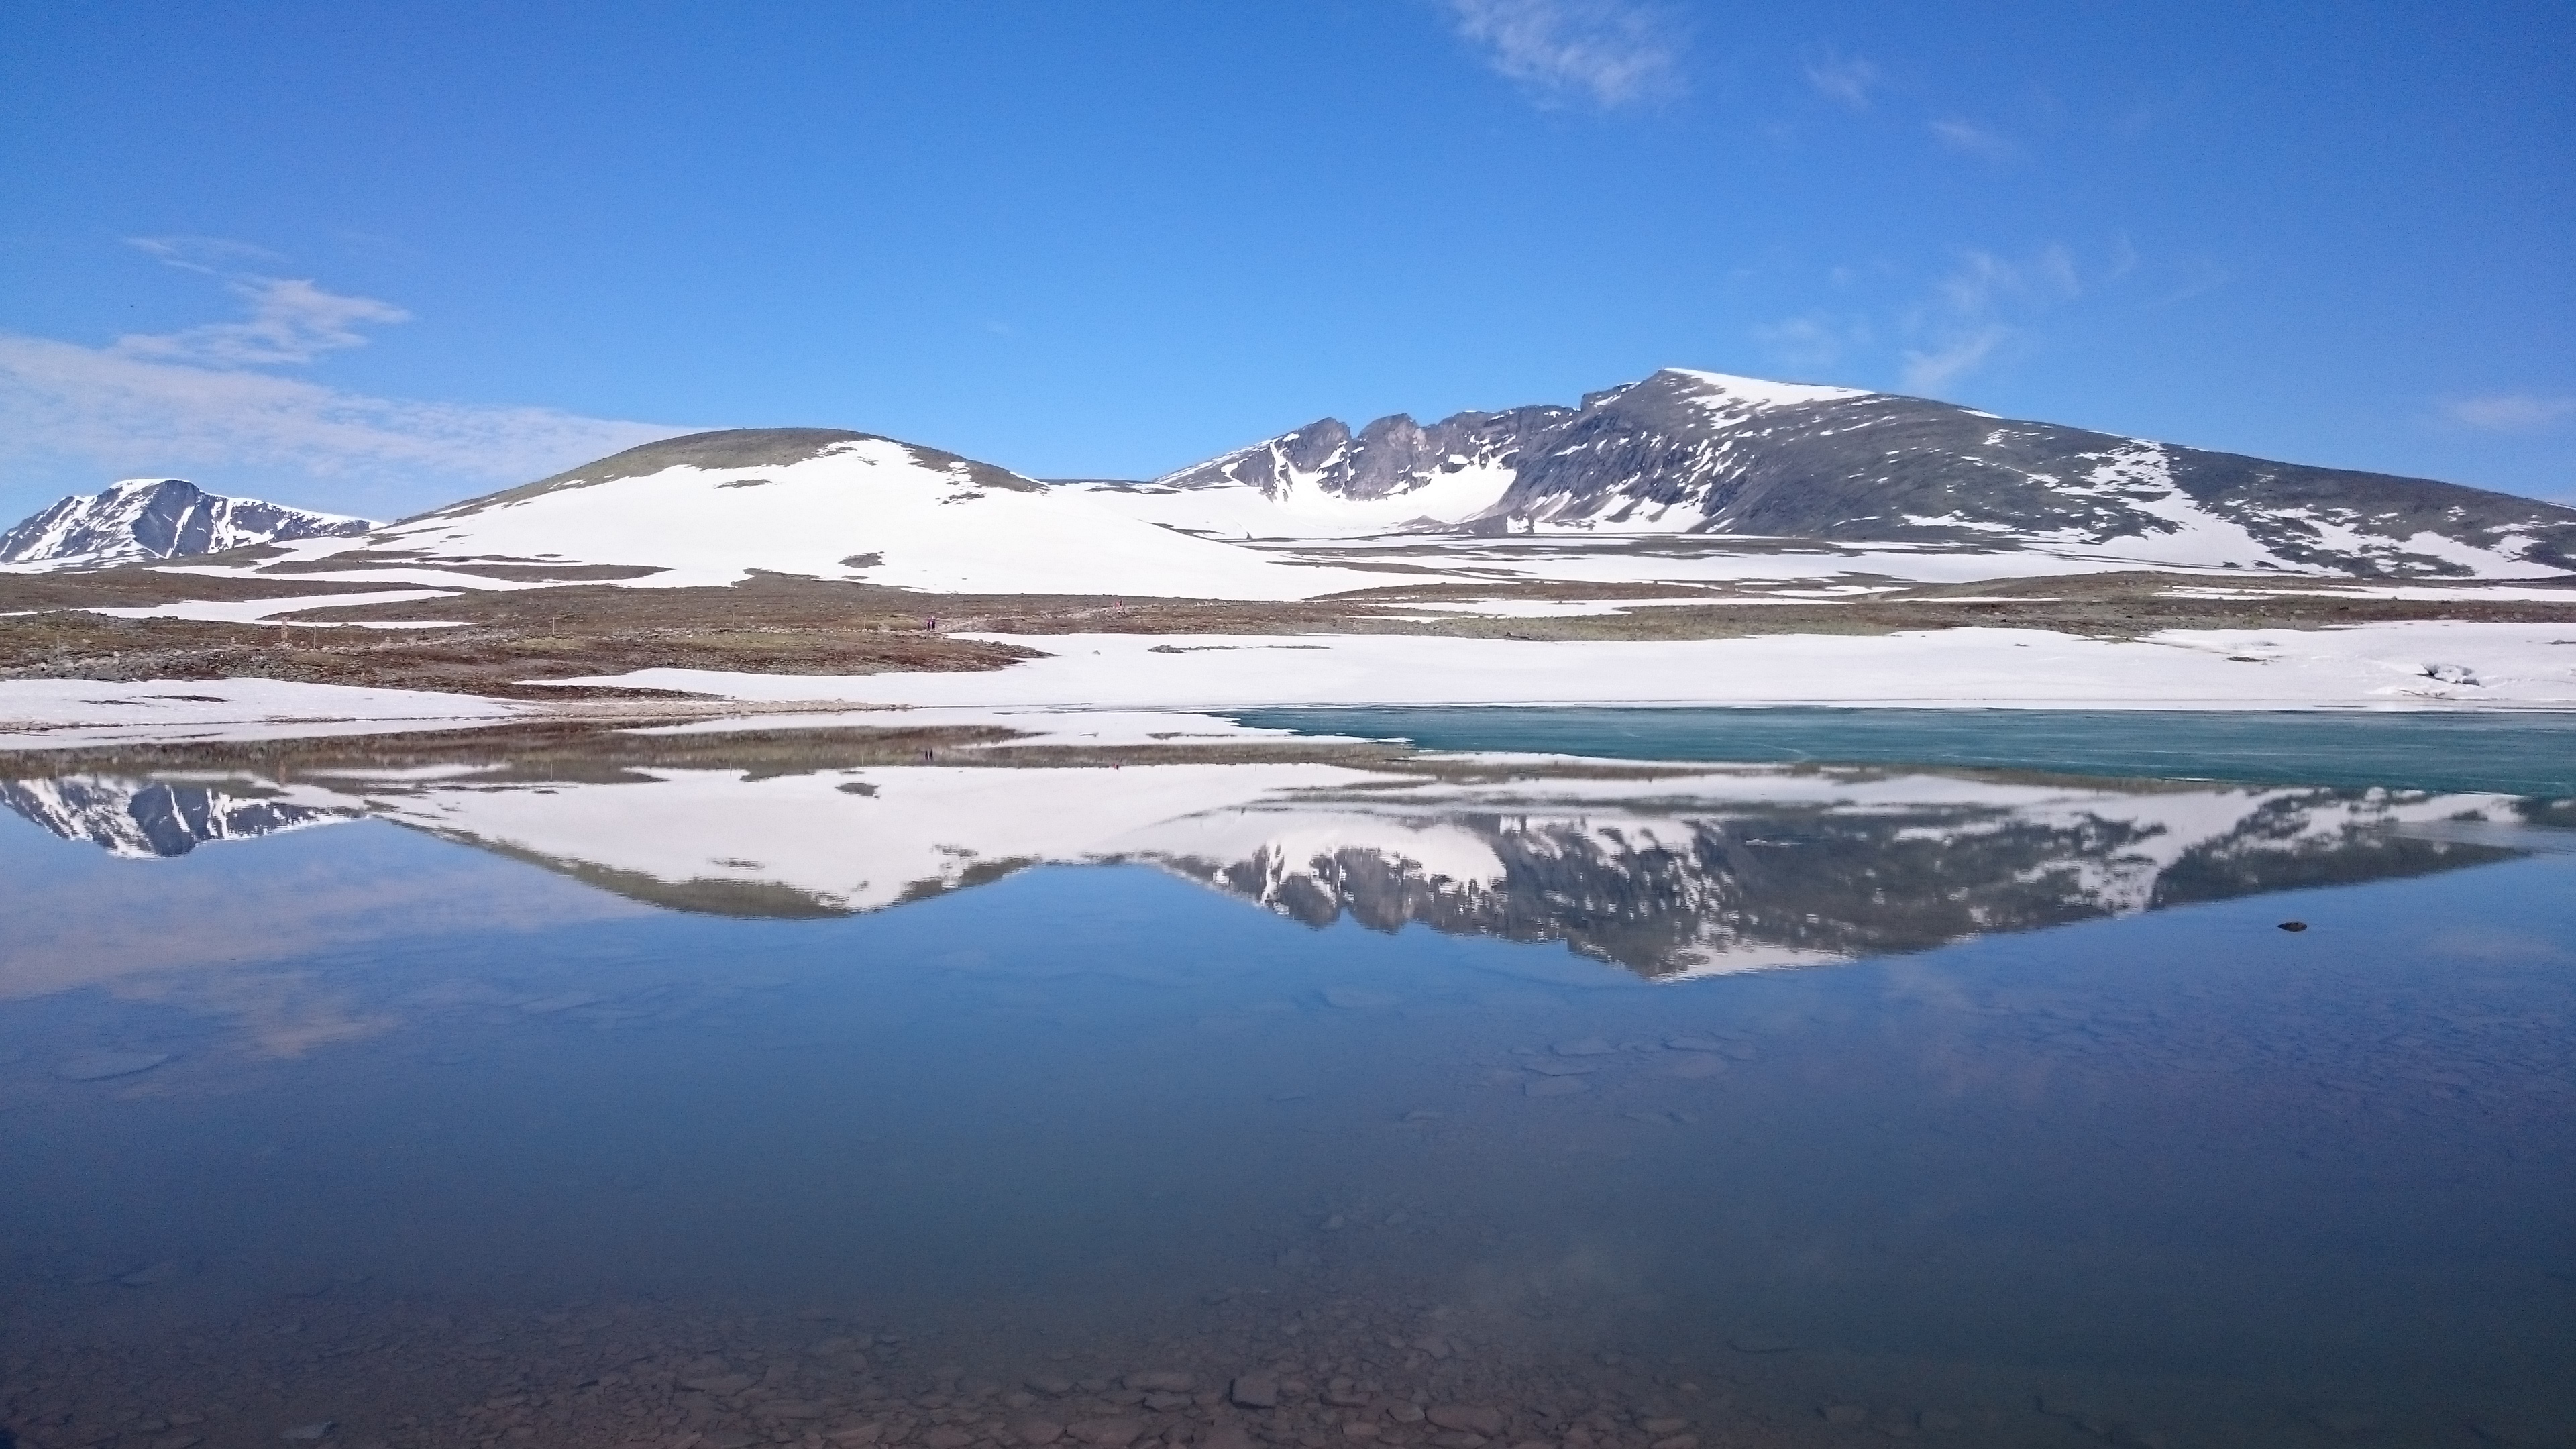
[1254, 1391]
[161, 1272]
[1170, 1381]
[1103, 1433]
[949, 1437]
[1471, 1418]
[1226, 1436]
[100, 1066]
[1036, 1431]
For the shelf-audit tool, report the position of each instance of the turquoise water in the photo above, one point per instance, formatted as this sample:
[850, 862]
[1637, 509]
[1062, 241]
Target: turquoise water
[2037, 1130]
[2526, 754]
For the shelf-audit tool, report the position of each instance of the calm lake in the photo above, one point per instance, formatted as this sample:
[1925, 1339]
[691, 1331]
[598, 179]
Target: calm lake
[1966, 1087]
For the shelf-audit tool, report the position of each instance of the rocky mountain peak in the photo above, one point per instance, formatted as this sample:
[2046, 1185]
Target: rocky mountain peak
[140, 520]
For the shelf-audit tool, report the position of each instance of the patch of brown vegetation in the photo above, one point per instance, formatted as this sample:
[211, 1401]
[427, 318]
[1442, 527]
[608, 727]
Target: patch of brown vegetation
[773, 624]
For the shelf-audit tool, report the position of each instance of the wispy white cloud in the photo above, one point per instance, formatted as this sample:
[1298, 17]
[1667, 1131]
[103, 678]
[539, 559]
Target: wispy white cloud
[135, 415]
[1614, 52]
[1960, 352]
[290, 320]
[1811, 342]
[2511, 412]
[197, 401]
[1969, 138]
[209, 254]
[1982, 306]
[1845, 80]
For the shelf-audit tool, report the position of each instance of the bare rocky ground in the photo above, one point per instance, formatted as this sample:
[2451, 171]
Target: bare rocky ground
[773, 624]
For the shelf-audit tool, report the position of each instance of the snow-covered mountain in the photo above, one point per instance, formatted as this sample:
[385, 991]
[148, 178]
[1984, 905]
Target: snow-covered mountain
[712, 508]
[1733, 869]
[145, 519]
[1705, 453]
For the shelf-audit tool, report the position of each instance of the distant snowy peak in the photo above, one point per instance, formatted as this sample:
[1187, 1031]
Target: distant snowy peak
[142, 520]
[1686, 451]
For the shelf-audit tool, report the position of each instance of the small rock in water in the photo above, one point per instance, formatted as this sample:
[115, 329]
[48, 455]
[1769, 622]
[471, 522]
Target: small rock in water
[857, 1435]
[949, 1437]
[1051, 1385]
[1557, 1087]
[100, 1066]
[1351, 998]
[321, 1430]
[1254, 1391]
[1226, 1436]
[1100, 1433]
[1661, 1427]
[2294, 925]
[1590, 1046]
[1468, 1418]
[1169, 1381]
[1036, 1431]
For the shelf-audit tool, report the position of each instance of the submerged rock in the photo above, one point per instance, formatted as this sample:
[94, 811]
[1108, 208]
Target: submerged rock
[100, 1066]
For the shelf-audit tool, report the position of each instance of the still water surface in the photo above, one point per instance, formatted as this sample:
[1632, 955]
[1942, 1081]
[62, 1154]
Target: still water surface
[924, 1105]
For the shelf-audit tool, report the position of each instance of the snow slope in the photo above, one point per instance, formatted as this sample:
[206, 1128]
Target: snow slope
[833, 506]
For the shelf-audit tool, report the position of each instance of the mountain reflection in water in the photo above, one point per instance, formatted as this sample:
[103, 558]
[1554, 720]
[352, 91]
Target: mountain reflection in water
[1669, 875]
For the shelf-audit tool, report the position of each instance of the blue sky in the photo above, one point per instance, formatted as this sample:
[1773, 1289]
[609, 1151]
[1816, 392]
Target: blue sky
[375, 256]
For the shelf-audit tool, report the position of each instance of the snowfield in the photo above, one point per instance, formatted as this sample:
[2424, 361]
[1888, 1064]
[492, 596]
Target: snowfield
[37, 714]
[875, 511]
[2374, 666]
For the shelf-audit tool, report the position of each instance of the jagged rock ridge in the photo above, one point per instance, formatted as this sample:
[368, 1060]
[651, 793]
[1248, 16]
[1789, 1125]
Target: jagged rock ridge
[145, 519]
[1697, 452]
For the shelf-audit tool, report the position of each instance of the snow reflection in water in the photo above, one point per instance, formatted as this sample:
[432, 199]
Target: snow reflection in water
[836, 1042]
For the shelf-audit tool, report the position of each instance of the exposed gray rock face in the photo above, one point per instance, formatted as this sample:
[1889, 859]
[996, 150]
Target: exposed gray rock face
[1697, 452]
[143, 519]
[1391, 456]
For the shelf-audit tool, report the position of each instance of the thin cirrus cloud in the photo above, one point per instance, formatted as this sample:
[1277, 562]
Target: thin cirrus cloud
[1982, 306]
[1611, 52]
[2510, 412]
[1844, 80]
[1970, 139]
[197, 400]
